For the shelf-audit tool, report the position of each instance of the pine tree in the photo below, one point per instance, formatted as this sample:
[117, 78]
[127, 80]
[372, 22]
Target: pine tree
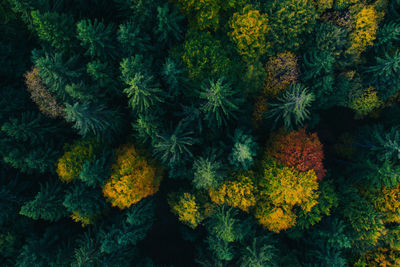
[174, 148]
[173, 75]
[243, 151]
[133, 39]
[317, 64]
[47, 204]
[97, 38]
[56, 71]
[292, 106]
[29, 127]
[220, 102]
[385, 74]
[168, 28]
[208, 172]
[57, 29]
[261, 252]
[94, 120]
[95, 173]
[143, 93]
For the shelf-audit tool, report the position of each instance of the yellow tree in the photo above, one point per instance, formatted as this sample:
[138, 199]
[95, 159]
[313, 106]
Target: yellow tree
[239, 193]
[365, 28]
[281, 189]
[133, 178]
[249, 32]
[187, 209]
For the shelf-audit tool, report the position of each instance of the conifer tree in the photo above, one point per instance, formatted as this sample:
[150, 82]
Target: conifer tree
[47, 204]
[220, 102]
[94, 120]
[292, 106]
[97, 38]
[244, 150]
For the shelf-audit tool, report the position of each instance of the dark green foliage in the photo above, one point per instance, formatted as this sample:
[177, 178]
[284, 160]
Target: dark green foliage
[220, 103]
[384, 74]
[96, 172]
[168, 28]
[173, 75]
[29, 127]
[132, 39]
[47, 204]
[97, 38]
[292, 106]
[317, 64]
[94, 120]
[85, 200]
[56, 71]
[132, 229]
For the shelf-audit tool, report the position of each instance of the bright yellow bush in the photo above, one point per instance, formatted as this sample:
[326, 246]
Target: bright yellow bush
[238, 193]
[365, 27]
[366, 103]
[71, 163]
[133, 178]
[249, 31]
[187, 209]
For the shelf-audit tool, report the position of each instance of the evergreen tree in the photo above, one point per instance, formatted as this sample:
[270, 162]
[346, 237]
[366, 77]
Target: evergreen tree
[220, 102]
[97, 38]
[57, 29]
[292, 106]
[208, 172]
[168, 28]
[47, 204]
[243, 151]
[94, 120]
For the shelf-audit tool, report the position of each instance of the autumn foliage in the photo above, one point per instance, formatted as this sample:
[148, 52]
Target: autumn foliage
[238, 193]
[133, 178]
[298, 149]
[187, 209]
[71, 163]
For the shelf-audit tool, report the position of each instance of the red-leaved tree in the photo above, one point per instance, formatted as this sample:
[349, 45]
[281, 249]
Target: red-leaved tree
[299, 150]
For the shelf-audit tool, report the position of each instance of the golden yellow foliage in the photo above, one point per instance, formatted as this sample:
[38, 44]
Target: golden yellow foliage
[71, 163]
[249, 31]
[83, 219]
[187, 209]
[276, 219]
[387, 201]
[365, 28]
[323, 5]
[133, 178]
[238, 193]
[381, 257]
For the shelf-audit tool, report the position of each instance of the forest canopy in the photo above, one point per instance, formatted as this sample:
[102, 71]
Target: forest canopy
[200, 133]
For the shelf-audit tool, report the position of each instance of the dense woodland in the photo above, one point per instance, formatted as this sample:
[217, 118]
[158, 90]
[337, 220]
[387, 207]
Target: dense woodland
[200, 133]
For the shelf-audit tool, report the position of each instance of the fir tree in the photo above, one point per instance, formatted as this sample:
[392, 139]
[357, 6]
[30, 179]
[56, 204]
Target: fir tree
[292, 106]
[243, 151]
[220, 102]
[97, 38]
[47, 204]
[94, 120]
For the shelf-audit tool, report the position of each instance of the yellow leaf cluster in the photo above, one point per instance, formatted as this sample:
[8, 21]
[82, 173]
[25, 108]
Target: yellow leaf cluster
[365, 28]
[71, 163]
[238, 193]
[276, 219]
[133, 178]
[387, 201]
[83, 219]
[249, 32]
[281, 189]
[187, 210]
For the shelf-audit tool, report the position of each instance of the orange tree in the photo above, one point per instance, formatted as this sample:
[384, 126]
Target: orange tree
[133, 178]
